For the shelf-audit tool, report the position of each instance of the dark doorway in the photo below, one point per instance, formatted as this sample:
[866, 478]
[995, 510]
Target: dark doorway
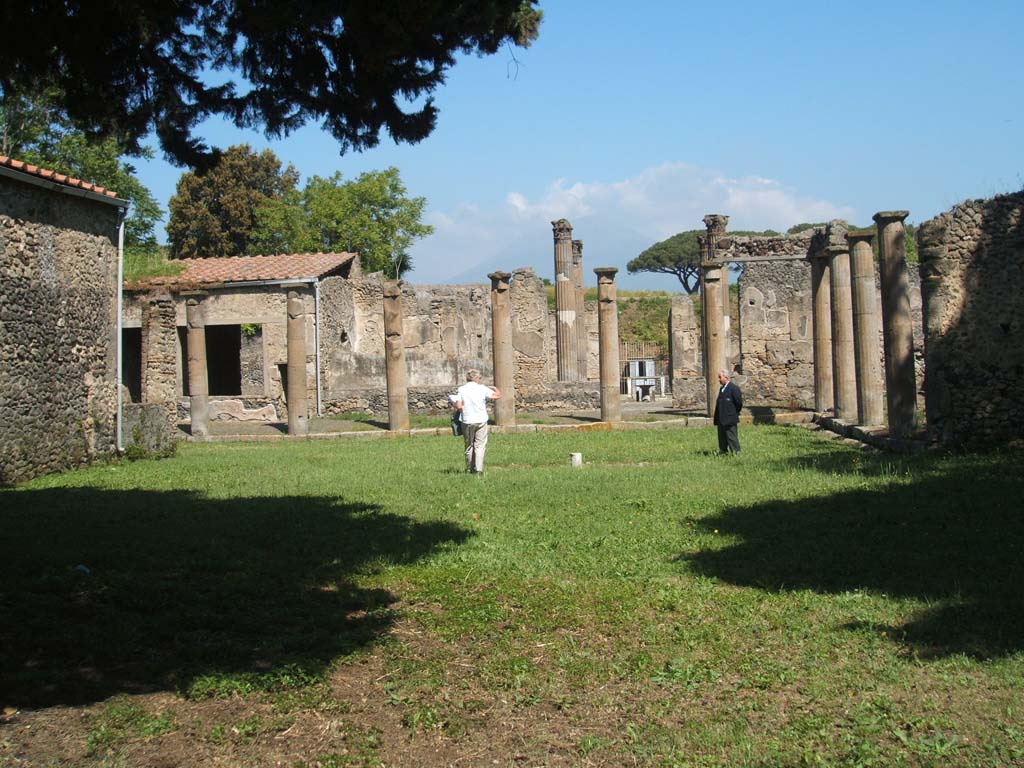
[223, 359]
[131, 362]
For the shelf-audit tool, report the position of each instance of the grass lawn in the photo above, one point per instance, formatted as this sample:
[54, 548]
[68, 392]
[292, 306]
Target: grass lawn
[348, 603]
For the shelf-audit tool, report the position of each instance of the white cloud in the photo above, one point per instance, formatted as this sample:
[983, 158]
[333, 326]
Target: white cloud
[616, 220]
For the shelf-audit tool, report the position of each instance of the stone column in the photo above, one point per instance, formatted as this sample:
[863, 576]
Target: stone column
[394, 357]
[582, 342]
[298, 395]
[608, 344]
[821, 312]
[843, 355]
[865, 329]
[898, 331]
[714, 293]
[198, 383]
[565, 303]
[501, 337]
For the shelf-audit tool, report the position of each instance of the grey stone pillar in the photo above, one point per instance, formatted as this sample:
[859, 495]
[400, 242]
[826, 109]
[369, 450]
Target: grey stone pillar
[898, 331]
[714, 294]
[821, 313]
[298, 395]
[865, 329]
[565, 303]
[501, 337]
[608, 344]
[582, 342]
[843, 355]
[198, 383]
[394, 358]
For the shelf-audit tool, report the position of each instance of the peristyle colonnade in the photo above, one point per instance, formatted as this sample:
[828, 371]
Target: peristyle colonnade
[846, 317]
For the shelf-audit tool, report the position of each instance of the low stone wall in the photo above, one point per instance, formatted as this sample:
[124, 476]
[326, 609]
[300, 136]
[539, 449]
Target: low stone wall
[58, 345]
[972, 279]
[149, 429]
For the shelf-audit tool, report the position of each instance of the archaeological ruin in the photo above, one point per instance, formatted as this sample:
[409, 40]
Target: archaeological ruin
[828, 320]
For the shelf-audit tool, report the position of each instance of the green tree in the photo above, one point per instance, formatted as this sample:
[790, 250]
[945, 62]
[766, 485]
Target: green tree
[34, 129]
[361, 66]
[679, 255]
[370, 215]
[214, 213]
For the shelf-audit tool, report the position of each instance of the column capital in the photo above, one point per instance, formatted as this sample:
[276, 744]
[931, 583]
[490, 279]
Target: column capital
[499, 280]
[860, 236]
[562, 229]
[577, 251]
[605, 274]
[888, 217]
[836, 249]
[392, 289]
[716, 223]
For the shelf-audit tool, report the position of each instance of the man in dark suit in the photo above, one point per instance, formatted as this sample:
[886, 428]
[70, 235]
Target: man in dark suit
[727, 414]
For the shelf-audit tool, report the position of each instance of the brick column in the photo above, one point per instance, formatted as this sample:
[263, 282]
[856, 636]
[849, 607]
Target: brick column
[159, 351]
[582, 342]
[898, 331]
[714, 294]
[843, 356]
[608, 344]
[394, 358]
[198, 383]
[298, 395]
[821, 313]
[565, 303]
[501, 337]
[865, 329]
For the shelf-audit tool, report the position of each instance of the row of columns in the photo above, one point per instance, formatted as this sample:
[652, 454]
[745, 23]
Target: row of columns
[570, 325]
[846, 318]
[502, 351]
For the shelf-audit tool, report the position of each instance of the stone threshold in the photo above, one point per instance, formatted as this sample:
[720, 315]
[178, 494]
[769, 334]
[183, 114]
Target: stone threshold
[867, 438]
[684, 422]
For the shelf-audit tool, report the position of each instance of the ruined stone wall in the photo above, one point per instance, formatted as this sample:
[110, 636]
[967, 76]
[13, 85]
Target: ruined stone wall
[776, 332]
[533, 334]
[972, 273]
[58, 347]
[686, 365]
[447, 331]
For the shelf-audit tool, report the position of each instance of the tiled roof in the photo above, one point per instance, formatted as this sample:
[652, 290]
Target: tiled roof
[59, 178]
[238, 269]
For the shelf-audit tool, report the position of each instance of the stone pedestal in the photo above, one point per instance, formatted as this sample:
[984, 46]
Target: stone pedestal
[565, 304]
[298, 418]
[866, 324]
[608, 333]
[821, 315]
[198, 383]
[897, 328]
[714, 293]
[843, 355]
[582, 343]
[394, 358]
[501, 337]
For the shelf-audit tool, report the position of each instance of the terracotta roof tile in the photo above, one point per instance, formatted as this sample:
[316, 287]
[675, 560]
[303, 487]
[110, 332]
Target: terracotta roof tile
[237, 269]
[60, 178]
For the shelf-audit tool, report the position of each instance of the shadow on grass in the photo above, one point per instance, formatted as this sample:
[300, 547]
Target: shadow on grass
[953, 539]
[177, 590]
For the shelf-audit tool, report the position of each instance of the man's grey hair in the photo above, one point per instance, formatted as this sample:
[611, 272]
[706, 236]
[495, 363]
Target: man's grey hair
[472, 374]
[725, 372]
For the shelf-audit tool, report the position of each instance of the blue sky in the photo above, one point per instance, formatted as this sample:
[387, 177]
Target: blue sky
[635, 123]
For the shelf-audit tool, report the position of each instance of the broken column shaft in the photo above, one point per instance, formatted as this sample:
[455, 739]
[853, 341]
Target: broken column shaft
[608, 344]
[501, 337]
[843, 356]
[898, 331]
[394, 358]
[865, 328]
[298, 396]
